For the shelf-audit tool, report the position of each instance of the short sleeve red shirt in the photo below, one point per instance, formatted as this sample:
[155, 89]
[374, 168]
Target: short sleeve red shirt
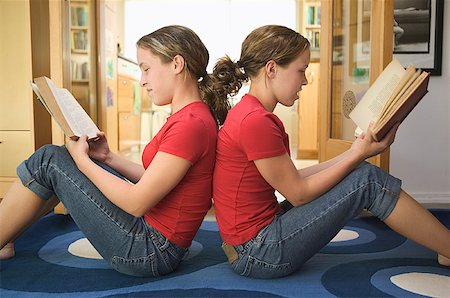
[190, 133]
[243, 201]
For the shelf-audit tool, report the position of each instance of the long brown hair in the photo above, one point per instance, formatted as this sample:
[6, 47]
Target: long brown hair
[169, 41]
[270, 42]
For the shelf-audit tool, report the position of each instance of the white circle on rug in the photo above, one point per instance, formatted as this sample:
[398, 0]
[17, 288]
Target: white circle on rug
[345, 235]
[194, 249]
[83, 248]
[426, 284]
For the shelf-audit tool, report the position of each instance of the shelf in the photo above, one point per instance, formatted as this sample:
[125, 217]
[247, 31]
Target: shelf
[312, 27]
[84, 28]
[77, 51]
[80, 81]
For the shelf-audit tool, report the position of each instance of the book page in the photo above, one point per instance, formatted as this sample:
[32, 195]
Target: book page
[40, 97]
[47, 98]
[77, 118]
[398, 98]
[406, 94]
[370, 106]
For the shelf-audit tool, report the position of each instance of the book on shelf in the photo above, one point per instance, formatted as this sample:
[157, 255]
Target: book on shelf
[390, 99]
[313, 36]
[78, 16]
[312, 14]
[79, 70]
[79, 41]
[65, 109]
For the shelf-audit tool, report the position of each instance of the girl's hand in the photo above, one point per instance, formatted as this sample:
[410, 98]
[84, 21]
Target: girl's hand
[78, 149]
[99, 149]
[367, 147]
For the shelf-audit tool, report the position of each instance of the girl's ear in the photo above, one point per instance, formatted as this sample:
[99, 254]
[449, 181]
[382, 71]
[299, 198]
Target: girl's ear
[178, 64]
[271, 69]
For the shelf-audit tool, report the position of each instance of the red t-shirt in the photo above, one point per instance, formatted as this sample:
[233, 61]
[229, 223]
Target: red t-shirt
[243, 201]
[190, 133]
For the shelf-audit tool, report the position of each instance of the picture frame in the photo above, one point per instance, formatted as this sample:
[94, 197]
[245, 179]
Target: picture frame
[418, 27]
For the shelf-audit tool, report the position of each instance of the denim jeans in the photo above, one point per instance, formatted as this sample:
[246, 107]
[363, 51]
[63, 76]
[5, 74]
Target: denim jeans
[295, 236]
[128, 243]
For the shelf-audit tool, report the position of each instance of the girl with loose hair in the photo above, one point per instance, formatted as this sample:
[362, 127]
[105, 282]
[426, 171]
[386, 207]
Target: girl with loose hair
[140, 218]
[264, 239]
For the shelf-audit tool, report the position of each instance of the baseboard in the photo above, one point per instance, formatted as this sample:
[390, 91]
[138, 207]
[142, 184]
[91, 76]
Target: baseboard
[432, 198]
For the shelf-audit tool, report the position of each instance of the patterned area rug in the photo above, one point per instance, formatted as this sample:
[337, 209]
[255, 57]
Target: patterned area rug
[366, 259]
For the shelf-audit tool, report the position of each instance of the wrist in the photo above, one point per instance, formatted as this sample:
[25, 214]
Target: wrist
[109, 159]
[357, 155]
[83, 163]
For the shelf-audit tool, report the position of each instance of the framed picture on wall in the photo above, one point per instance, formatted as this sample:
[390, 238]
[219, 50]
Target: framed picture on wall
[418, 26]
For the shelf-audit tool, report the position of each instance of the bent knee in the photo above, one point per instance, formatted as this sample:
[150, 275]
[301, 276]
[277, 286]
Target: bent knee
[50, 152]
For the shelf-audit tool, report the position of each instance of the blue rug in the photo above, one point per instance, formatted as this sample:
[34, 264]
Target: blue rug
[366, 264]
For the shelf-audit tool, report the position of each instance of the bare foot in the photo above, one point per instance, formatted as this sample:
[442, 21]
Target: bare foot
[443, 260]
[7, 251]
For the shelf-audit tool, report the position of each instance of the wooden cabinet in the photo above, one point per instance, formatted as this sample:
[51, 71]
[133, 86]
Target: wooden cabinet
[34, 48]
[15, 147]
[16, 101]
[126, 92]
[129, 113]
[129, 131]
[129, 105]
[308, 115]
[138, 118]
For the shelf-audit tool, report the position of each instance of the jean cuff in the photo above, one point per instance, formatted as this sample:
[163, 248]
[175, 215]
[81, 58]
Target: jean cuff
[30, 182]
[388, 197]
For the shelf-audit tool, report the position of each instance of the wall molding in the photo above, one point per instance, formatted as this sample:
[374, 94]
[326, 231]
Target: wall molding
[431, 198]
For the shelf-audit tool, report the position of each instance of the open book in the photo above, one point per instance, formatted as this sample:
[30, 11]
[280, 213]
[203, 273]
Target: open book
[65, 109]
[390, 98]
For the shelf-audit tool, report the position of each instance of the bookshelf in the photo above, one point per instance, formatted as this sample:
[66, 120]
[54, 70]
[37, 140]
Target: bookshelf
[311, 26]
[82, 54]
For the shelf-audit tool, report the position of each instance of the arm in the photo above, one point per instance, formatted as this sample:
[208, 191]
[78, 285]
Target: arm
[299, 188]
[135, 199]
[305, 172]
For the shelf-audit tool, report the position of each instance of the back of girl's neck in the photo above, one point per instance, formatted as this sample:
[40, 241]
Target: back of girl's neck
[178, 105]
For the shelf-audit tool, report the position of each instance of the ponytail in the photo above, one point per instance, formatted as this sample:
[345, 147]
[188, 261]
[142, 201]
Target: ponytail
[226, 80]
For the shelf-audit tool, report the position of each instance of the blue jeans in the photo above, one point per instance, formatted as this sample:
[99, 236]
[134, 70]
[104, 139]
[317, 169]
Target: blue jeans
[128, 243]
[293, 237]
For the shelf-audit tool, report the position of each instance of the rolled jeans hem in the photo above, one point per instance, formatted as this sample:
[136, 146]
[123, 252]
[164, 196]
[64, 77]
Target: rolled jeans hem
[29, 182]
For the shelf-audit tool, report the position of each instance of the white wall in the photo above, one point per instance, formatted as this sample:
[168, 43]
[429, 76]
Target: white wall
[420, 155]
[221, 24]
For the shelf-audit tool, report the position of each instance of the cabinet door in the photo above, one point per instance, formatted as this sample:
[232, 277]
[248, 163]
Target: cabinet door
[129, 130]
[15, 60]
[15, 146]
[125, 95]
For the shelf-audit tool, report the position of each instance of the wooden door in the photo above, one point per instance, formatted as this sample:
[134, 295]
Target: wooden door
[357, 43]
